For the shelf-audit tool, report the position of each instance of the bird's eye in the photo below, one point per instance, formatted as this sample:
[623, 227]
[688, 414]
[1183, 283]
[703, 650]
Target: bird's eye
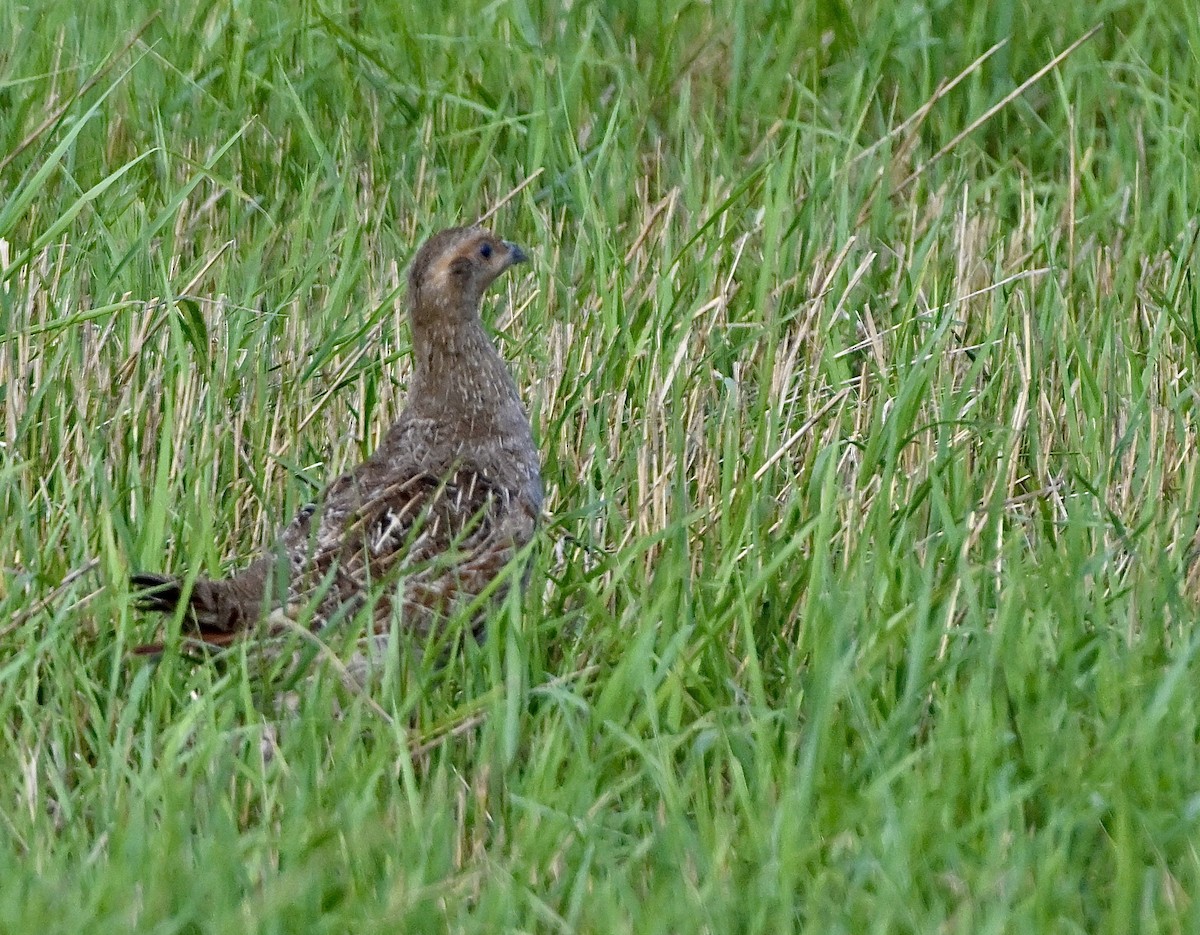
[485, 250]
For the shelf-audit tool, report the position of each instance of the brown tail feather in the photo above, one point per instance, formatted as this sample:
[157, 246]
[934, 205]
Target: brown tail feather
[160, 593]
[216, 613]
[209, 640]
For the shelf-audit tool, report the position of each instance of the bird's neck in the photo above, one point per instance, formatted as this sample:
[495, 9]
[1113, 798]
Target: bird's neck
[457, 372]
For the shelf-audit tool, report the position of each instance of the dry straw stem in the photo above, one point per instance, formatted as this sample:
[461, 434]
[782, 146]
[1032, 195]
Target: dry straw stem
[998, 106]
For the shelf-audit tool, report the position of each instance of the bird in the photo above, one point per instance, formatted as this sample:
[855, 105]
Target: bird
[425, 526]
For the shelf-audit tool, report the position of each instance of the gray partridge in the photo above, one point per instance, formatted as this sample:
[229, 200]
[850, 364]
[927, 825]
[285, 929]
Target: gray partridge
[426, 524]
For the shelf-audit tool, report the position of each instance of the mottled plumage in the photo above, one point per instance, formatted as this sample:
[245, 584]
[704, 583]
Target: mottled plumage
[430, 519]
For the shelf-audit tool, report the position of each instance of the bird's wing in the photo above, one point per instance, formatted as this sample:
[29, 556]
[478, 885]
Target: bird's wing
[446, 537]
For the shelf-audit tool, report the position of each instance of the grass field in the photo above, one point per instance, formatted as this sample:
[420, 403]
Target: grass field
[860, 342]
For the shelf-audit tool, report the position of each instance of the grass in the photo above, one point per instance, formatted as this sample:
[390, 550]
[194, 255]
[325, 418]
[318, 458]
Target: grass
[866, 599]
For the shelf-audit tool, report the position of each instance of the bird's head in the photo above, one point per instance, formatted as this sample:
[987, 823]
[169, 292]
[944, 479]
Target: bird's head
[453, 268]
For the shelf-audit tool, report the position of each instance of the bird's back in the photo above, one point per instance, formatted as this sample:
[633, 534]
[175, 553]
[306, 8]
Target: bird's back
[435, 517]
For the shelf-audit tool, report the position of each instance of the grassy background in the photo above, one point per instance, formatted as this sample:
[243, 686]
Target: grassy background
[865, 603]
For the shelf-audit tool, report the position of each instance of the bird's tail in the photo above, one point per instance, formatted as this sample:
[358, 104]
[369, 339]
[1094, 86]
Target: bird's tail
[158, 593]
[214, 614]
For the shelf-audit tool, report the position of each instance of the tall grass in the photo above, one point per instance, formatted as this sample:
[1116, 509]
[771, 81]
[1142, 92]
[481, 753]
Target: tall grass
[866, 594]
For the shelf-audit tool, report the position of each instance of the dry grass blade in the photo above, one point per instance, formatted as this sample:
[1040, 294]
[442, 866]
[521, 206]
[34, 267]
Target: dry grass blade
[281, 622]
[801, 432]
[58, 113]
[529, 180]
[998, 106]
[20, 618]
[919, 114]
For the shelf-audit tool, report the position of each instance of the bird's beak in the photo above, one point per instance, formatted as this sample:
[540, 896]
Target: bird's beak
[515, 254]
